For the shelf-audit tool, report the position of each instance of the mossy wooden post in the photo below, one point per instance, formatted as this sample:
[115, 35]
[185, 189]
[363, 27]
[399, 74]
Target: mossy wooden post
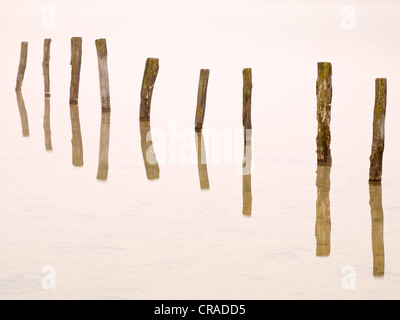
[22, 65]
[323, 215]
[76, 59]
[102, 172]
[46, 67]
[149, 79]
[149, 156]
[324, 101]
[101, 46]
[201, 99]
[46, 125]
[201, 161]
[246, 174]
[378, 250]
[378, 138]
[247, 90]
[23, 114]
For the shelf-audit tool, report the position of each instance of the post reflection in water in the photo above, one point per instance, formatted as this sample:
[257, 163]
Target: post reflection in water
[246, 173]
[323, 218]
[201, 161]
[149, 157]
[23, 114]
[46, 125]
[375, 202]
[77, 149]
[102, 172]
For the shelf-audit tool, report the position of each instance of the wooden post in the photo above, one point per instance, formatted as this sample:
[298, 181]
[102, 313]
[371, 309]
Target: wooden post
[201, 99]
[77, 148]
[247, 89]
[76, 58]
[378, 138]
[149, 156]
[101, 46]
[23, 114]
[46, 125]
[378, 251]
[102, 172]
[149, 78]
[323, 216]
[22, 65]
[201, 161]
[324, 101]
[46, 67]
[246, 174]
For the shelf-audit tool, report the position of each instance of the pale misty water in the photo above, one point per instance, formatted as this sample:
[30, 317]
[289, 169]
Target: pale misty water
[199, 232]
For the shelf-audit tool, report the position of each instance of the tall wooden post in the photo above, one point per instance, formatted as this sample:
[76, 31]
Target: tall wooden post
[324, 101]
[101, 46]
[149, 79]
[378, 138]
[76, 59]
[201, 99]
[247, 90]
[22, 66]
[46, 67]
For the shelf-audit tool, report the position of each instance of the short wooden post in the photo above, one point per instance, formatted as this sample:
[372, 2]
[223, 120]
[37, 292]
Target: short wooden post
[46, 67]
[378, 250]
[101, 46]
[102, 172]
[323, 214]
[149, 79]
[378, 138]
[247, 90]
[76, 59]
[22, 65]
[149, 156]
[46, 125]
[324, 101]
[246, 174]
[77, 148]
[201, 161]
[23, 114]
[201, 99]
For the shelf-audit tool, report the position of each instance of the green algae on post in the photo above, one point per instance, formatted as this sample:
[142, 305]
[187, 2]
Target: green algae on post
[101, 47]
[22, 65]
[46, 67]
[378, 137]
[247, 90]
[324, 100]
[201, 99]
[149, 78]
[76, 58]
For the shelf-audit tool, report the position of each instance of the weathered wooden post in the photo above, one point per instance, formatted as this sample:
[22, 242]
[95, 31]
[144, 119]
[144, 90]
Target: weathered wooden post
[378, 251]
[46, 125]
[247, 90]
[149, 79]
[201, 161]
[102, 172]
[323, 217]
[378, 138]
[149, 156]
[201, 99]
[23, 114]
[22, 66]
[76, 59]
[324, 101]
[101, 46]
[246, 174]
[46, 67]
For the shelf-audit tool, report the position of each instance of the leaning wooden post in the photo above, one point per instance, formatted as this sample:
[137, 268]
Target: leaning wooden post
[46, 67]
[149, 78]
[324, 100]
[101, 46]
[76, 58]
[378, 138]
[22, 65]
[201, 99]
[247, 89]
